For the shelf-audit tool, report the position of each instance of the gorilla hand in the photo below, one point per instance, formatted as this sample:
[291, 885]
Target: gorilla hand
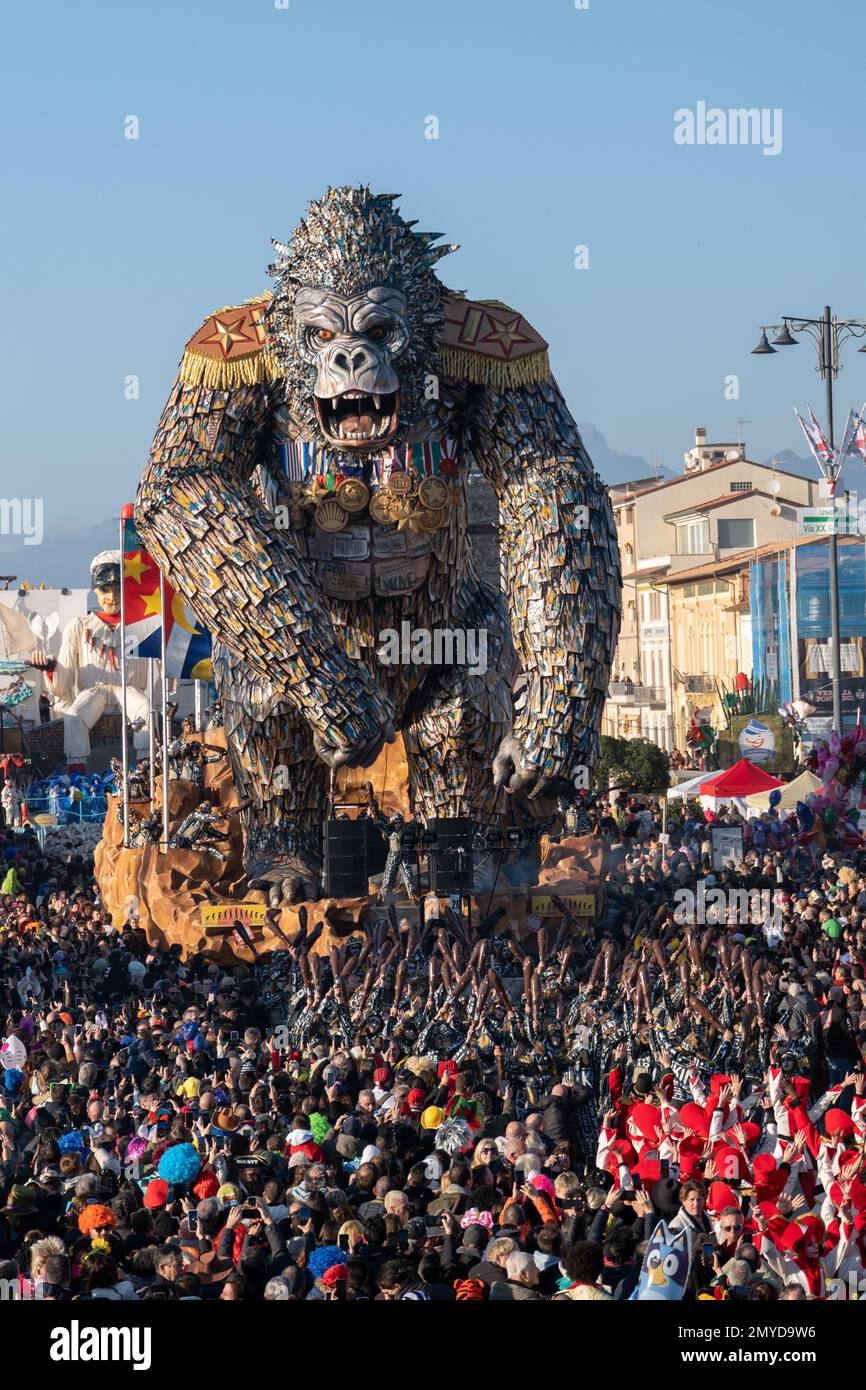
[516, 773]
[360, 754]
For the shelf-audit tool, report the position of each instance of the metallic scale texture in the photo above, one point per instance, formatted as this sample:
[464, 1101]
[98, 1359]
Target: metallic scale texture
[306, 491]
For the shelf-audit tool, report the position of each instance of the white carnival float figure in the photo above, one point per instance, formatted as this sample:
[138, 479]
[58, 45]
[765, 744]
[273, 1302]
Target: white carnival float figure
[11, 803]
[85, 681]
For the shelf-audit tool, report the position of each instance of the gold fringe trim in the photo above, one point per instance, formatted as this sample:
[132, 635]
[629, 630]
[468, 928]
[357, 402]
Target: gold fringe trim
[480, 370]
[255, 369]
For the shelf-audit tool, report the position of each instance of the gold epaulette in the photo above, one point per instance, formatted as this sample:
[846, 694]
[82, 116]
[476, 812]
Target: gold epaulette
[230, 349]
[483, 342]
[486, 343]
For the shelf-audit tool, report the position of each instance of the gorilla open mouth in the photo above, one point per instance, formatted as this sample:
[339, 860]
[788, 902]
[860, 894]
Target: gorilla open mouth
[357, 419]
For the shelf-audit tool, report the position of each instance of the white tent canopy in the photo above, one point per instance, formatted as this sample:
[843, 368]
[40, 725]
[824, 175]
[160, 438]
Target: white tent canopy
[791, 793]
[686, 790]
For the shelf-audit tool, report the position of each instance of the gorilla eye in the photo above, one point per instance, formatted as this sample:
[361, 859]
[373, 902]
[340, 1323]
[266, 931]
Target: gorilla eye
[324, 335]
[378, 334]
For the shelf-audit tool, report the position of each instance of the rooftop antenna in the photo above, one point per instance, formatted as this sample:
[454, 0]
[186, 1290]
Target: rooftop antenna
[657, 467]
[740, 423]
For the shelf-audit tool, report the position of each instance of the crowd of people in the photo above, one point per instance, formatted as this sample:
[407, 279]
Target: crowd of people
[443, 1113]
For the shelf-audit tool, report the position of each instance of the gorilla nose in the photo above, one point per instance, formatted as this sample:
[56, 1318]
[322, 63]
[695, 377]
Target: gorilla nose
[351, 361]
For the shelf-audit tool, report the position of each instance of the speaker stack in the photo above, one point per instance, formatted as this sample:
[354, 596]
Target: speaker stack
[450, 856]
[346, 858]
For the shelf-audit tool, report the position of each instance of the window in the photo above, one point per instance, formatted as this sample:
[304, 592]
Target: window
[652, 606]
[693, 537]
[741, 487]
[704, 588]
[736, 533]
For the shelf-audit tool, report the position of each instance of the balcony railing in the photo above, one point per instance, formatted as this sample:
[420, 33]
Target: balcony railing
[627, 693]
[698, 685]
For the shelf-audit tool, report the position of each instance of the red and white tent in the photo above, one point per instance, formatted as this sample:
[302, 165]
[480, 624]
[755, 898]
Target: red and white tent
[737, 782]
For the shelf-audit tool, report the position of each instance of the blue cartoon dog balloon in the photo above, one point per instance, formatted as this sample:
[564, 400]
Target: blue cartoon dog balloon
[665, 1269]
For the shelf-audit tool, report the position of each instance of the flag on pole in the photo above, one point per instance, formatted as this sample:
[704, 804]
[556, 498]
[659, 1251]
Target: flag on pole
[845, 447]
[815, 438]
[857, 442]
[187, 643]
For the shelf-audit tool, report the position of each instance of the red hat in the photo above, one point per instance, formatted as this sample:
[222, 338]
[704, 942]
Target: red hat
[623, 1152]
[334, 1274]
[691, 1157]
[381, 1076]
[797, 1232]
[645, 1120]
[838, 1124]
[769, 1178]
[857, 1196]
[752, 1132]
[416, 1098]
[156, 1194]
[719, 1196]
[695, 1118]
[732, 1164]
[775, 1220]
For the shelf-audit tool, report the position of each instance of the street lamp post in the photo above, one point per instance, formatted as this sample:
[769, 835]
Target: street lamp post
[828, 335]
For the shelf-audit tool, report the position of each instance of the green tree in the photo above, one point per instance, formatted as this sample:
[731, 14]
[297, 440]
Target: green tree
[634, 764]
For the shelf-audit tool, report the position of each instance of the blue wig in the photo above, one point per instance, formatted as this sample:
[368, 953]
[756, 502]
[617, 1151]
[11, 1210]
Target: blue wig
[324, 1258]
[180, 1164]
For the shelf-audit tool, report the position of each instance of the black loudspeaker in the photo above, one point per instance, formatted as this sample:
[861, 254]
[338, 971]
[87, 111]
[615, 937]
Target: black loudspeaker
[346, 859]
[451, 871]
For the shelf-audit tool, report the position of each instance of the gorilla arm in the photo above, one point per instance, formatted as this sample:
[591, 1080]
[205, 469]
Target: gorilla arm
[562, 580]
[244, 578]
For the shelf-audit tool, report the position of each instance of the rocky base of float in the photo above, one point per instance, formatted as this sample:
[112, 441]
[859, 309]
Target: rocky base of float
[192, 900]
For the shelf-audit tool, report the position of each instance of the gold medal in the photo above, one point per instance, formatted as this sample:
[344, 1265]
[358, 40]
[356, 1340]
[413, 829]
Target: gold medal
[400, 507]
[432, 493]
[353, 495]
[401, 483]
[386, 507]
[380, 506]
[432, 520]
[330, 516]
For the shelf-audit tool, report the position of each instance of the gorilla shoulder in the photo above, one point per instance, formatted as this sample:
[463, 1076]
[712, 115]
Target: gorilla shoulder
[230, 348]
[486, 343]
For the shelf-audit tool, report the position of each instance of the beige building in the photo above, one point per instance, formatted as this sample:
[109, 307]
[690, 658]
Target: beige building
[685, 546]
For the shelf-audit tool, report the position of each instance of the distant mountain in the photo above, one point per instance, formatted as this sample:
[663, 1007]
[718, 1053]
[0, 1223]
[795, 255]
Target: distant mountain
[789, 462]
[613, 466]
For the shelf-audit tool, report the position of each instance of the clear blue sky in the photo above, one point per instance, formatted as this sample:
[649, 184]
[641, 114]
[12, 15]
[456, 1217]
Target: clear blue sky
[556, 128]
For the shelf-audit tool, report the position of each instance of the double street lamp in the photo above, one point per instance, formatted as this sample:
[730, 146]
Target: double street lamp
[828, 334]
